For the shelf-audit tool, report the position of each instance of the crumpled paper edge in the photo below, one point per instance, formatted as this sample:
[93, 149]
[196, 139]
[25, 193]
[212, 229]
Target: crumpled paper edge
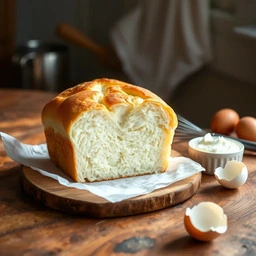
[110, 190]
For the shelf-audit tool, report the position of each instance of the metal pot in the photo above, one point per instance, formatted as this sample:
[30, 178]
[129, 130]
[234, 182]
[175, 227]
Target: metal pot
[41, 65]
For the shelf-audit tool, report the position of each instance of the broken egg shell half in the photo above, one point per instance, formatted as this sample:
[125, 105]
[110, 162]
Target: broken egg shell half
[233, 175]
[205, 221]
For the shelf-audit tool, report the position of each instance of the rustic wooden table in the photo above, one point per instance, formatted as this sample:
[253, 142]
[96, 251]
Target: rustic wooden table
[29, 228]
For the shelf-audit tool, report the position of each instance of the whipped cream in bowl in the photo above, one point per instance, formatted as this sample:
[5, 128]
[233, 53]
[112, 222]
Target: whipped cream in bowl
[217, 144]
[214, 151]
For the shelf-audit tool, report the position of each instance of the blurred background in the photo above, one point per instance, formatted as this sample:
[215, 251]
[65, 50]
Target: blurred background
[198, 55]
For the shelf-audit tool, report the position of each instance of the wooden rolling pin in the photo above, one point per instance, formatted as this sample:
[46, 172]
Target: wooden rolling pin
[106, 54]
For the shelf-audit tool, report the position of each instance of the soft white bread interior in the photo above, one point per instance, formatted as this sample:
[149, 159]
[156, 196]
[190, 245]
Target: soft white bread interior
[107, 129]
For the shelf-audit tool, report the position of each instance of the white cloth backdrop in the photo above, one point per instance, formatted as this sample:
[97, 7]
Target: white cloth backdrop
[161, 42]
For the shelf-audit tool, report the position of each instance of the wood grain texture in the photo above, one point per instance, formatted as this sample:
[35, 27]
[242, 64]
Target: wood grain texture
[29, 228]
[82, 202]
[20, 117]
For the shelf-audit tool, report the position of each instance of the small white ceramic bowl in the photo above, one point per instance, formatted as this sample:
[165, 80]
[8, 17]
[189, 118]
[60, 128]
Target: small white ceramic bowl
[209, 160]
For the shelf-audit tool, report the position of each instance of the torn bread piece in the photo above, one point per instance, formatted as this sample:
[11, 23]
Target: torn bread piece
[107, 129]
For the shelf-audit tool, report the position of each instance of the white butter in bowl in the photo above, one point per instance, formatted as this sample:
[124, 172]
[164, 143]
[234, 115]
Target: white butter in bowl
[214, 151]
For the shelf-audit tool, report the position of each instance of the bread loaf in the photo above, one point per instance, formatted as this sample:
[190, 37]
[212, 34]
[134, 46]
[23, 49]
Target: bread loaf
[107, 129]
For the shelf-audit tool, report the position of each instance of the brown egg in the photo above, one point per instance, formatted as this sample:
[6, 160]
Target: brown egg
[246, 128]
[224, 121]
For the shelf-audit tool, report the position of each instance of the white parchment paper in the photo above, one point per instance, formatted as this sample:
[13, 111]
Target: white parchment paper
[36, 157]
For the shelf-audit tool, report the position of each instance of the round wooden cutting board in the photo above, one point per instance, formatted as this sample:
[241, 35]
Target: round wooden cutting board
[74, 201]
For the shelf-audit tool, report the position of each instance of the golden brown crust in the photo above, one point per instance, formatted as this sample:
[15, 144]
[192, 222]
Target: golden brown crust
[61, 152]
[80, 98]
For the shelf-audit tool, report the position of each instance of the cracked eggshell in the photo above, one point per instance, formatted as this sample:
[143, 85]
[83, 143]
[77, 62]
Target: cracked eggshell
[233, 175]
[205, 221]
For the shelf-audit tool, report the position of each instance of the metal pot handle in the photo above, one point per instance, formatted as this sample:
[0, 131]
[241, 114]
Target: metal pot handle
[30, 74]
[26, 57]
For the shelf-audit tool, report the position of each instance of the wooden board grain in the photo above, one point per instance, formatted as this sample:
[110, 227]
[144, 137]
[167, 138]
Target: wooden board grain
[81, 202]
